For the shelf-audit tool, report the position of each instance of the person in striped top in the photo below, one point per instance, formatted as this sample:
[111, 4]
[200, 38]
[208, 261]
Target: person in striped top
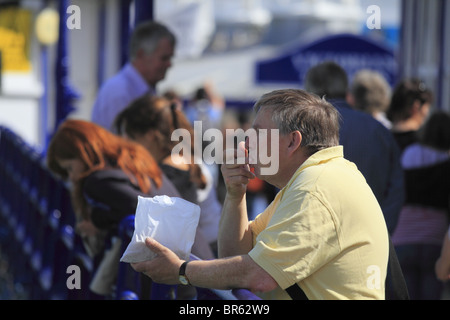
[423, 220]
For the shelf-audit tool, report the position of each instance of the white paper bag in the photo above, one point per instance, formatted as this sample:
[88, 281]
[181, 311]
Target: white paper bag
[171, 221]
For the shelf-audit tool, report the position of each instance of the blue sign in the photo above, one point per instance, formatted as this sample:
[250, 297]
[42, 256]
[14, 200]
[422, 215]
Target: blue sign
[352, 52]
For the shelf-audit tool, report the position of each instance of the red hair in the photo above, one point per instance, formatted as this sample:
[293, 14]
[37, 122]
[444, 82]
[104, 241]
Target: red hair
[98, 148]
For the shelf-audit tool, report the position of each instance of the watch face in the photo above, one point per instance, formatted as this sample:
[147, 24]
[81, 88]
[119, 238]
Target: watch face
[183, 280]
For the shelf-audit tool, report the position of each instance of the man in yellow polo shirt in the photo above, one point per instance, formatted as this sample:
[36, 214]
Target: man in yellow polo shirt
[324, 231]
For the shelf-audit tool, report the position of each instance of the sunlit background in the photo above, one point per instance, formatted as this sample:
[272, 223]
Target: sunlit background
[242, 47]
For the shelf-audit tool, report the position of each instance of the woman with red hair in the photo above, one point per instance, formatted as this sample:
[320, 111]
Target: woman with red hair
[106, 173]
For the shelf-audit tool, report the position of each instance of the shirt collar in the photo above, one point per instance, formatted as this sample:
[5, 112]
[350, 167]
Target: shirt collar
[317, 158]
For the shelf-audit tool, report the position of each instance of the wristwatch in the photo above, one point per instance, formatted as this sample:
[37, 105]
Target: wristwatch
[182, 274]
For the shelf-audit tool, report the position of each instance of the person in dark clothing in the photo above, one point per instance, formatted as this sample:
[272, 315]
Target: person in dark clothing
[423, 221]
[408, 110]
[366, 141]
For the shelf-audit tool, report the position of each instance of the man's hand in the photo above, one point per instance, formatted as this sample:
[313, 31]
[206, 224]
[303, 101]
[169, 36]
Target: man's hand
[442, 272]
[236, 171]
[234, 236]
[164, 267]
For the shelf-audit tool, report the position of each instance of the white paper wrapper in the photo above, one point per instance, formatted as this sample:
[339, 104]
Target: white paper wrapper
[171, 221]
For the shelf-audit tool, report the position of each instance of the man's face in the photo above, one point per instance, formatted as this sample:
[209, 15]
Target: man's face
[269, 144]
[155, 65]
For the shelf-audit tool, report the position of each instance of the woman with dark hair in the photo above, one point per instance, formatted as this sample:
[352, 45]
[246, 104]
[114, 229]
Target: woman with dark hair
[150, 121]
[423, 221]
[409, 108]
[106, 173]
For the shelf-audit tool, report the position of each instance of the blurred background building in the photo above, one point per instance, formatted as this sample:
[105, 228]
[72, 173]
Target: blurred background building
[55, 54]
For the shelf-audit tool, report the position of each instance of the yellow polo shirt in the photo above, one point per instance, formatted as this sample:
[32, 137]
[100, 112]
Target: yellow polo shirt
[325, 231]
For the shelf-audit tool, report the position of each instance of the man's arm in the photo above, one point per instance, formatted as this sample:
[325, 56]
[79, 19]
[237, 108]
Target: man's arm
[223, 274]
[229, 273]
[442, 266]
[235, 237]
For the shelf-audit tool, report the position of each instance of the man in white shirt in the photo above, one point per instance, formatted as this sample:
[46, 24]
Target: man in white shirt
[151, 49]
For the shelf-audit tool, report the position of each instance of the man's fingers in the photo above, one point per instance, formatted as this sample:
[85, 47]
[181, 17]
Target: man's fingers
[241, 149]
[138, 266]
[154, 245]
[237, 156]
[240, 172]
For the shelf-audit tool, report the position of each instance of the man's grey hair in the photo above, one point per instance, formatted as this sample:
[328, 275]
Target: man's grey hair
[293, 109]
[147, 35]
[371, 92]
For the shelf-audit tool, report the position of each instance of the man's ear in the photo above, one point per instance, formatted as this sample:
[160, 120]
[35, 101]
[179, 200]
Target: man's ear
[295, 141]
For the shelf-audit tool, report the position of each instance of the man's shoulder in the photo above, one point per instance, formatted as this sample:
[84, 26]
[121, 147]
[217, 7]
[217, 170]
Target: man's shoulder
[358, 121]
[113, 89]
[350, 113]
[113, 84]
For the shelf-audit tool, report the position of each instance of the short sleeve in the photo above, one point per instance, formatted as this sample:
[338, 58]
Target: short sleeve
[299, 238]
[261, 221]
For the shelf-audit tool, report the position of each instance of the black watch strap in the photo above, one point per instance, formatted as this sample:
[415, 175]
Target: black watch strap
[183, 268]
[182, 274]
